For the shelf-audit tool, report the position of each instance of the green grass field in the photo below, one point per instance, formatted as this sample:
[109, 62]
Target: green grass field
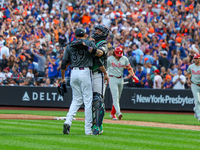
[162, 118]
[47, 134]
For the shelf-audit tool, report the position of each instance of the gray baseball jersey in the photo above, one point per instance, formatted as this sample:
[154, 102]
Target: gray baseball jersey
[102, 45]
[115, 67]
[195, 72]
[79, 57]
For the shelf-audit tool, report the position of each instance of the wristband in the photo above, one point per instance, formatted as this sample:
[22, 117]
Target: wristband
[130, 69]
[94, 50]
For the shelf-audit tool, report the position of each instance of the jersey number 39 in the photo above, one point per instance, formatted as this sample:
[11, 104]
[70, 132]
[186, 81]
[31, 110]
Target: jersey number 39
[78, 55]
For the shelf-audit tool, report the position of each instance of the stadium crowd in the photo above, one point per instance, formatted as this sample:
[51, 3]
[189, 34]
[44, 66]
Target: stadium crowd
[159, 37]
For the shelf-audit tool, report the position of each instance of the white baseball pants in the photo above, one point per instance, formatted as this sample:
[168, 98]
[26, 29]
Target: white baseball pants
[81, 84]
[98, 83]
[116, 87]
[196, 93]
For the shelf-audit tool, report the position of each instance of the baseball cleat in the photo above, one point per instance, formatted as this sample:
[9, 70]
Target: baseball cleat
[194, 109]
[120, 117]
[66, 128]
[113, 117]
[93, 127]
[89, 133]
[101, 129]
[195, 115]
[96, 131]
[101, 132]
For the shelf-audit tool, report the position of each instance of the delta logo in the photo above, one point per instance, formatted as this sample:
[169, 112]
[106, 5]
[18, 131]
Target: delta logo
[41, 96]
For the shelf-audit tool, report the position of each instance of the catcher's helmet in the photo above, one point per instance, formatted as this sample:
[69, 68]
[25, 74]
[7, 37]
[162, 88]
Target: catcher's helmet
[118, 52]
[99, 36]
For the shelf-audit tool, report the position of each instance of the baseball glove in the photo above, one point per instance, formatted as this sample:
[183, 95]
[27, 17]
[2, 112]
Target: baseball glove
[79, 44]
[76, 44]
[62, 88]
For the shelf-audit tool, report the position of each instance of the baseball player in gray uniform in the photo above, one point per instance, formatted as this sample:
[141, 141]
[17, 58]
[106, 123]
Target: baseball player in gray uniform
[81, 60]
[99, 34]
[116, 65]
[194, 72]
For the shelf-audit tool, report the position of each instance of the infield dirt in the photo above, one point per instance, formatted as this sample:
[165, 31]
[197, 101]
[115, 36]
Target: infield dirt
[138, 123]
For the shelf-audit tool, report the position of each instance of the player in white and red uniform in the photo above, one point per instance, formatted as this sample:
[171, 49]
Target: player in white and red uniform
[194, 72]
[116, 65]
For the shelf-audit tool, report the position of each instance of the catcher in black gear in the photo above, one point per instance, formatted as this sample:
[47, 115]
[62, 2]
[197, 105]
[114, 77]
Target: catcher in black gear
[99, 34]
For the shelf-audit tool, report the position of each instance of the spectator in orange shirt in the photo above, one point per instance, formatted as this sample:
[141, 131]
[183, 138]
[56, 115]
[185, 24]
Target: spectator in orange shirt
[85, 17]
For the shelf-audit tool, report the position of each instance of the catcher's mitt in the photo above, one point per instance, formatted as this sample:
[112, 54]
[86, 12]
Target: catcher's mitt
[62, 88]
[76, 44]
[80, 44]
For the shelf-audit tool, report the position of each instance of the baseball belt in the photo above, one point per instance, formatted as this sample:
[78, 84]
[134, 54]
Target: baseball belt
[115, 76]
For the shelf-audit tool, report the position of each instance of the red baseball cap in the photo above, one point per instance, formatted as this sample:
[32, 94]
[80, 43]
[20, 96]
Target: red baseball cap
[118, 52]
[7, 68]
[163, 45]
[196, 56]
[157, 71]
[147, 50]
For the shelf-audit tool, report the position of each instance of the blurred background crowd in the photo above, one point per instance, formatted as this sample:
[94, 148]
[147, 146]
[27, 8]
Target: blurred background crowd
[159, 37]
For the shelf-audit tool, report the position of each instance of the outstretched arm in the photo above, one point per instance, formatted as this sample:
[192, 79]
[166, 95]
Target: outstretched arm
[131, 72]
[97, 52]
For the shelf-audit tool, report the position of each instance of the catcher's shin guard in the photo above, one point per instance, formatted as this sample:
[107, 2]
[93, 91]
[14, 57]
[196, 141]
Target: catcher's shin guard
[94, 118]
[98, 108]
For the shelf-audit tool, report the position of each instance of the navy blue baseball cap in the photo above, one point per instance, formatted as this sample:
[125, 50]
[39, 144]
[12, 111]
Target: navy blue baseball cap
[150, 47]
[172, 42]
[42, 52]
[93, 19]
[80, 32]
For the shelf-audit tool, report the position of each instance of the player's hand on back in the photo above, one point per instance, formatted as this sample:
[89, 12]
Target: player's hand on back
[91, 39]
